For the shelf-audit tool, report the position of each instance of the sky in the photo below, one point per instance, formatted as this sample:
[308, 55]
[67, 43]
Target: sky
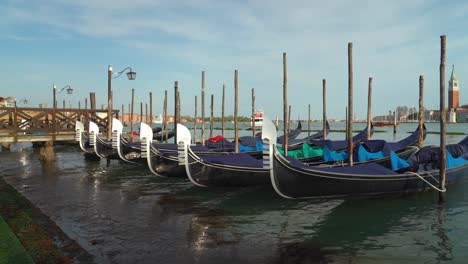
[73, 42]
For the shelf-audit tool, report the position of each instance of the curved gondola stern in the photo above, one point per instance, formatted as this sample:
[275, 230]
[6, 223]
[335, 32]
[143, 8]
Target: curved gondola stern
[79, 130]
[117, 129]
[93, 134]
[146, 138]
[183, 148]
[269, 151]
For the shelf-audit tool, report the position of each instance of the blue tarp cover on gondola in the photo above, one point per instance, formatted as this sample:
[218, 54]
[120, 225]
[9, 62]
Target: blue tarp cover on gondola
[361, 169]
[397, 163]
[332, 156]
[364, 155]
[454, 162]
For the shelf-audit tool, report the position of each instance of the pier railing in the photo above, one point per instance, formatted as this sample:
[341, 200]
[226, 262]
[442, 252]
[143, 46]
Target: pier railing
[27, 124]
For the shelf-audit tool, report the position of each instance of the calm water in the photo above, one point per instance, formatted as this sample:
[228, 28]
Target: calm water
[124, 214]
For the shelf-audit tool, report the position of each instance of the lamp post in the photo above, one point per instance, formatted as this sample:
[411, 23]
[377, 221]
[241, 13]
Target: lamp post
[131, 76]
[54, 103]
[56, 91]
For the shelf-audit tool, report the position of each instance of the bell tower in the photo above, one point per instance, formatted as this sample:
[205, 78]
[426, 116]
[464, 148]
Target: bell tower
[453, 95]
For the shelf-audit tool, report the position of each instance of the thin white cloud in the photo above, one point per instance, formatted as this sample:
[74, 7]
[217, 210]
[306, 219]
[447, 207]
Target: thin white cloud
[394, 41]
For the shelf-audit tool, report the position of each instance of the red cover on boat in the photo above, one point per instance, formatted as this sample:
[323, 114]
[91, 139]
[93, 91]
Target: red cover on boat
[215, 139]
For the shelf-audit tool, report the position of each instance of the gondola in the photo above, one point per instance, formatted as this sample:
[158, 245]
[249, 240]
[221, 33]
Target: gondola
[293, 179]
[127, 151]
[227, 170]
[102, 147]
[82, 138]
[162, 159]
[239, 169]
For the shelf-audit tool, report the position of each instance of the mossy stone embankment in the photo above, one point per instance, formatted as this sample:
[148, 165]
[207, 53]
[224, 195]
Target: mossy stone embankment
[42, 239]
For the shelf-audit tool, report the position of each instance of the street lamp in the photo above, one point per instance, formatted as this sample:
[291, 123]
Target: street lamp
[131, 75]
[68, 88]
[24, 101]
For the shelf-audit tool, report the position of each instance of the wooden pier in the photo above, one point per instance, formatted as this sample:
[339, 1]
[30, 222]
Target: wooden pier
[28, 124]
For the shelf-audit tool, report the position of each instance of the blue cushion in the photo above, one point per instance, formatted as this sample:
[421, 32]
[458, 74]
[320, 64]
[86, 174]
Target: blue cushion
[331, 156]
[364, 155]
[453, 162]
[396, 162]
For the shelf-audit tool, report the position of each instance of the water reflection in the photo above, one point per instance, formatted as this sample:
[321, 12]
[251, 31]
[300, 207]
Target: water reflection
[123, 214]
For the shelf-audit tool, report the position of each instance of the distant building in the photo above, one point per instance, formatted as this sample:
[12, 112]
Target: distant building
[7, 102]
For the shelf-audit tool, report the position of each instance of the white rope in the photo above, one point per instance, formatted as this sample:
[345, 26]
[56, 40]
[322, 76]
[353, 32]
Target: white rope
[422, 178]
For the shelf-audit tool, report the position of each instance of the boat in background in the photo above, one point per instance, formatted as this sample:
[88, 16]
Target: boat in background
[384, 123]
[158, 120]
[258, 118]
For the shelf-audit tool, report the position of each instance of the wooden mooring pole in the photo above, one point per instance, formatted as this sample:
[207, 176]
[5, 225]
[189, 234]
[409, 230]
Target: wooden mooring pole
[203, 109]
[350, 104]
[109, 102]
[442, 118]
[236, 108]
[146, 114]
[131, 111]
[122, 113]
[92, 100]
[176, 110]
[421, 112]
[285, 105]
[165, 116]
[253, 113]
[369, 107]
[308, 121]
[141, 111]
[324, 110]
[151, 108]
[222, 112]
[195, 121]
[211, 115]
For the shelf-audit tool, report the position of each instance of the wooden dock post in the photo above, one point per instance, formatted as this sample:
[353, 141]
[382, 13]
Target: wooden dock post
[324, 110]
[176, 110]
[122, 113]
[236, 106]
[203, 109]
[350, 104]
[151, 108]
[131, 112]
[54, 111]
[141, 111]
[195, 121]
[109, 102]
[421, 112]
[146, 114]
[92, 101]
[253, 113]
[285, 105]
[442, 118]
[346, 122]
[222, 113]
[165, 116]
[211, 115]
[369, 107]
[308, 121]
